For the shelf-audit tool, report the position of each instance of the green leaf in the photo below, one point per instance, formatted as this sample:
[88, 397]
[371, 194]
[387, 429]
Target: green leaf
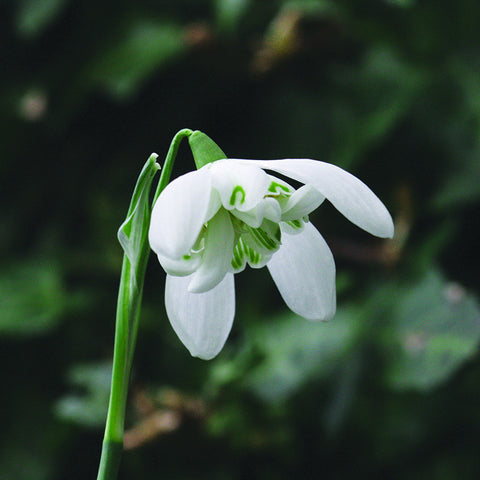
[372, 100]
[34, 16]
[90, 407]
[145, 47]
[229, 12]
[461, 187]
[296, 350]
[319, 8]
[32, 298]
[434, 329]
[401, 3]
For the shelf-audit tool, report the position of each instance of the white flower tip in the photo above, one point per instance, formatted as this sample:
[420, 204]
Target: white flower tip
[391, 232]
[375, 219]
[206, 355]
[201, 282]
[198, 285]
[329, 315]
[324, 316]
[387, 229]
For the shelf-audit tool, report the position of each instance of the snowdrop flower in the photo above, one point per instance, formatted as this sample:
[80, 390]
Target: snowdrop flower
[209, 224]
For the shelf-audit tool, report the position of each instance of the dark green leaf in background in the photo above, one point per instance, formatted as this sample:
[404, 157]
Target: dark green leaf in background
[89, 407]
[32, 297]
[33, 16]
[296, 350]
[434, 328]
[144, 48]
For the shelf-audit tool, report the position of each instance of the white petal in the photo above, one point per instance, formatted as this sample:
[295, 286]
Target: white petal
[202, 321]
[217, 255]
[182, 266]
[347, 193]
[179, 213]
[240, 186]
[304, 272]
[277, 185]
[267, 208]
[302, 202]
[293, 227]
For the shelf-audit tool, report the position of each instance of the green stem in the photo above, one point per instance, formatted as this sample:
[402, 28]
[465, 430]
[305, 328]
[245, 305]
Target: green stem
[128, 313]
[169, 161]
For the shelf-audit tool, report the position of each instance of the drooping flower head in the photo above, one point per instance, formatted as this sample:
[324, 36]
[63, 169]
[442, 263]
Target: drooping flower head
[210, 223]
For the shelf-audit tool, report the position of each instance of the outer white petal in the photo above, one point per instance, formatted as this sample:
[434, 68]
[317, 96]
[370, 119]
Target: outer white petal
[304, 272]
[346, 192]
[240, 186]
[179, 213]
[202, 321]
[217, 255]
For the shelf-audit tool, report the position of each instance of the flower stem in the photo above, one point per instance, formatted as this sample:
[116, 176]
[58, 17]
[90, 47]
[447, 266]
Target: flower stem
[170, 160]
[133, 236]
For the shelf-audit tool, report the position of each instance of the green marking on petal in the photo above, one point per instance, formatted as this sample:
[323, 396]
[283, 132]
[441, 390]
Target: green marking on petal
[276, 187]
[238, 260]
[243, 253]
[294, 226]
[237, 256]
[236, 190]
[262, 237]
[267, 237]
[297, 224]
[187, 257]
[277, 235]
[253, 256]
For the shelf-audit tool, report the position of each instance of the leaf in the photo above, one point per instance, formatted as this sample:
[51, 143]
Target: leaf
[32, 298]
[372, 100]
[463, 185]
[90, 407]
[434, 329]
[34, 16]
[145, 47]
[296, 350]
[401, 3]
[229, 12]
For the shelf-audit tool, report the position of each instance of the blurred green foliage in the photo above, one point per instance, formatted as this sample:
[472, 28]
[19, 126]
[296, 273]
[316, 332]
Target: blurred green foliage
[387, 89]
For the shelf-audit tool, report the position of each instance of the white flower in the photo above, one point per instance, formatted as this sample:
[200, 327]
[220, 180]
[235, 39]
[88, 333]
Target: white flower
[208, 224]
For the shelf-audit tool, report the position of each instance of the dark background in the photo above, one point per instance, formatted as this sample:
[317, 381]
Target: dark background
[389, 90]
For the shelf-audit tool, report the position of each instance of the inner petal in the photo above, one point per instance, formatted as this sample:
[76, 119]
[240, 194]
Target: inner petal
[303, 201]
[240, 186]
[266, 208]
[265, 239]
[182, 267]
[243, 254]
